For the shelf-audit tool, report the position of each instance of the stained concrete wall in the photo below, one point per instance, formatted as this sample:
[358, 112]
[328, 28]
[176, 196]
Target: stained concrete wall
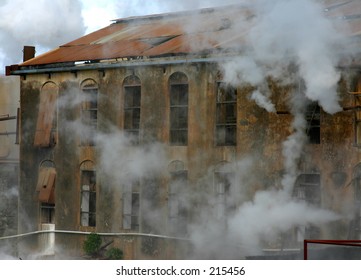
[259, 134]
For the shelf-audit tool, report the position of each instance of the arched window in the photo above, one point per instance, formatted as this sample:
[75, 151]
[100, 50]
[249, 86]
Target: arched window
[46, 126]
[89, 112]
[132, 102]
[88, 194]
[177, 200]
[226, 115]
[178, 97]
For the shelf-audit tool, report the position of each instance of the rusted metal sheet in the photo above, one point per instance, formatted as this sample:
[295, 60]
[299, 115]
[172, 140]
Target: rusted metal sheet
[343, 9]
[96, 35]
[346, 15]
[147, 36]
[91, 52]
[179, 33]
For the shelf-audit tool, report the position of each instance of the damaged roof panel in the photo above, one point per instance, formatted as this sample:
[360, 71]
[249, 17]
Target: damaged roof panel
[204, 31]
[90, 52]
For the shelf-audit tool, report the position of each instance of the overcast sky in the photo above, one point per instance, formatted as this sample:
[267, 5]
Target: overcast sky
[97, 13]
[46, 24]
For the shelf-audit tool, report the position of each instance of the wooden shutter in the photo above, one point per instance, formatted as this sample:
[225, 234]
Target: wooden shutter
[47, 109]
[46, 184]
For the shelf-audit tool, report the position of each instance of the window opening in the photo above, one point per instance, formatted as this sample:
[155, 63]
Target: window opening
[88, 198]
[223, 193]
[226, 115]
[47, 213]
[308, 189]
[89, 114]
[313, 117]
[178, 91]
[355, 226]
[131, 107]
[132, 95]
[357, 110]
[177, 210]
[131, 206]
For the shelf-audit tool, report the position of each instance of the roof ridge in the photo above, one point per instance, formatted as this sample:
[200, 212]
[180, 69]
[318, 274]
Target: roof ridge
[179, 13]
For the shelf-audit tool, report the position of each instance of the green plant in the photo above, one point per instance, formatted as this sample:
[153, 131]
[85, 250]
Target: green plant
[92, 244]
[114, 254]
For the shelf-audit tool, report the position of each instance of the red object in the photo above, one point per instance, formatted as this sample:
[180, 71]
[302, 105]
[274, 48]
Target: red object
[351, 243]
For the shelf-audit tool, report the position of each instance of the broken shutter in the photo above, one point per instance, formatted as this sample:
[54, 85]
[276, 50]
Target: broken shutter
[45, 122]
[46, 185]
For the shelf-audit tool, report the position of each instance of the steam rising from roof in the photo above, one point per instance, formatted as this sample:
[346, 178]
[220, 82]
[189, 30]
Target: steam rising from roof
[292, 32]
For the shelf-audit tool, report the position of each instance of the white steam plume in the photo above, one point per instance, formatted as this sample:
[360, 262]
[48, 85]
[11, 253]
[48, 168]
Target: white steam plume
[284, 34]
[125, 163]
[256, 221]
[293, 32]
[269, 214]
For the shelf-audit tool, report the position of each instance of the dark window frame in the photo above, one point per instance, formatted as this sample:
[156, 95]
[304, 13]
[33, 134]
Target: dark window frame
[178, 118]
[131, 208]
[223, 200]
[135, 224]
[89, 193]
[226, 115]
[177, 210]
[132, 100]
[178, 109]
[89, 114]
[313, 118]
[308, 189]
[47, 213]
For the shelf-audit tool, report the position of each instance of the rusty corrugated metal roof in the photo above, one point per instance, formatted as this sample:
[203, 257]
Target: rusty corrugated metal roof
[156, 35]
[199, 32]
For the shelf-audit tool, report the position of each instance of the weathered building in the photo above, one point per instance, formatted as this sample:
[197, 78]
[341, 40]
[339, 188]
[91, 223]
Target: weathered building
[9, 159]
[133, 131]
